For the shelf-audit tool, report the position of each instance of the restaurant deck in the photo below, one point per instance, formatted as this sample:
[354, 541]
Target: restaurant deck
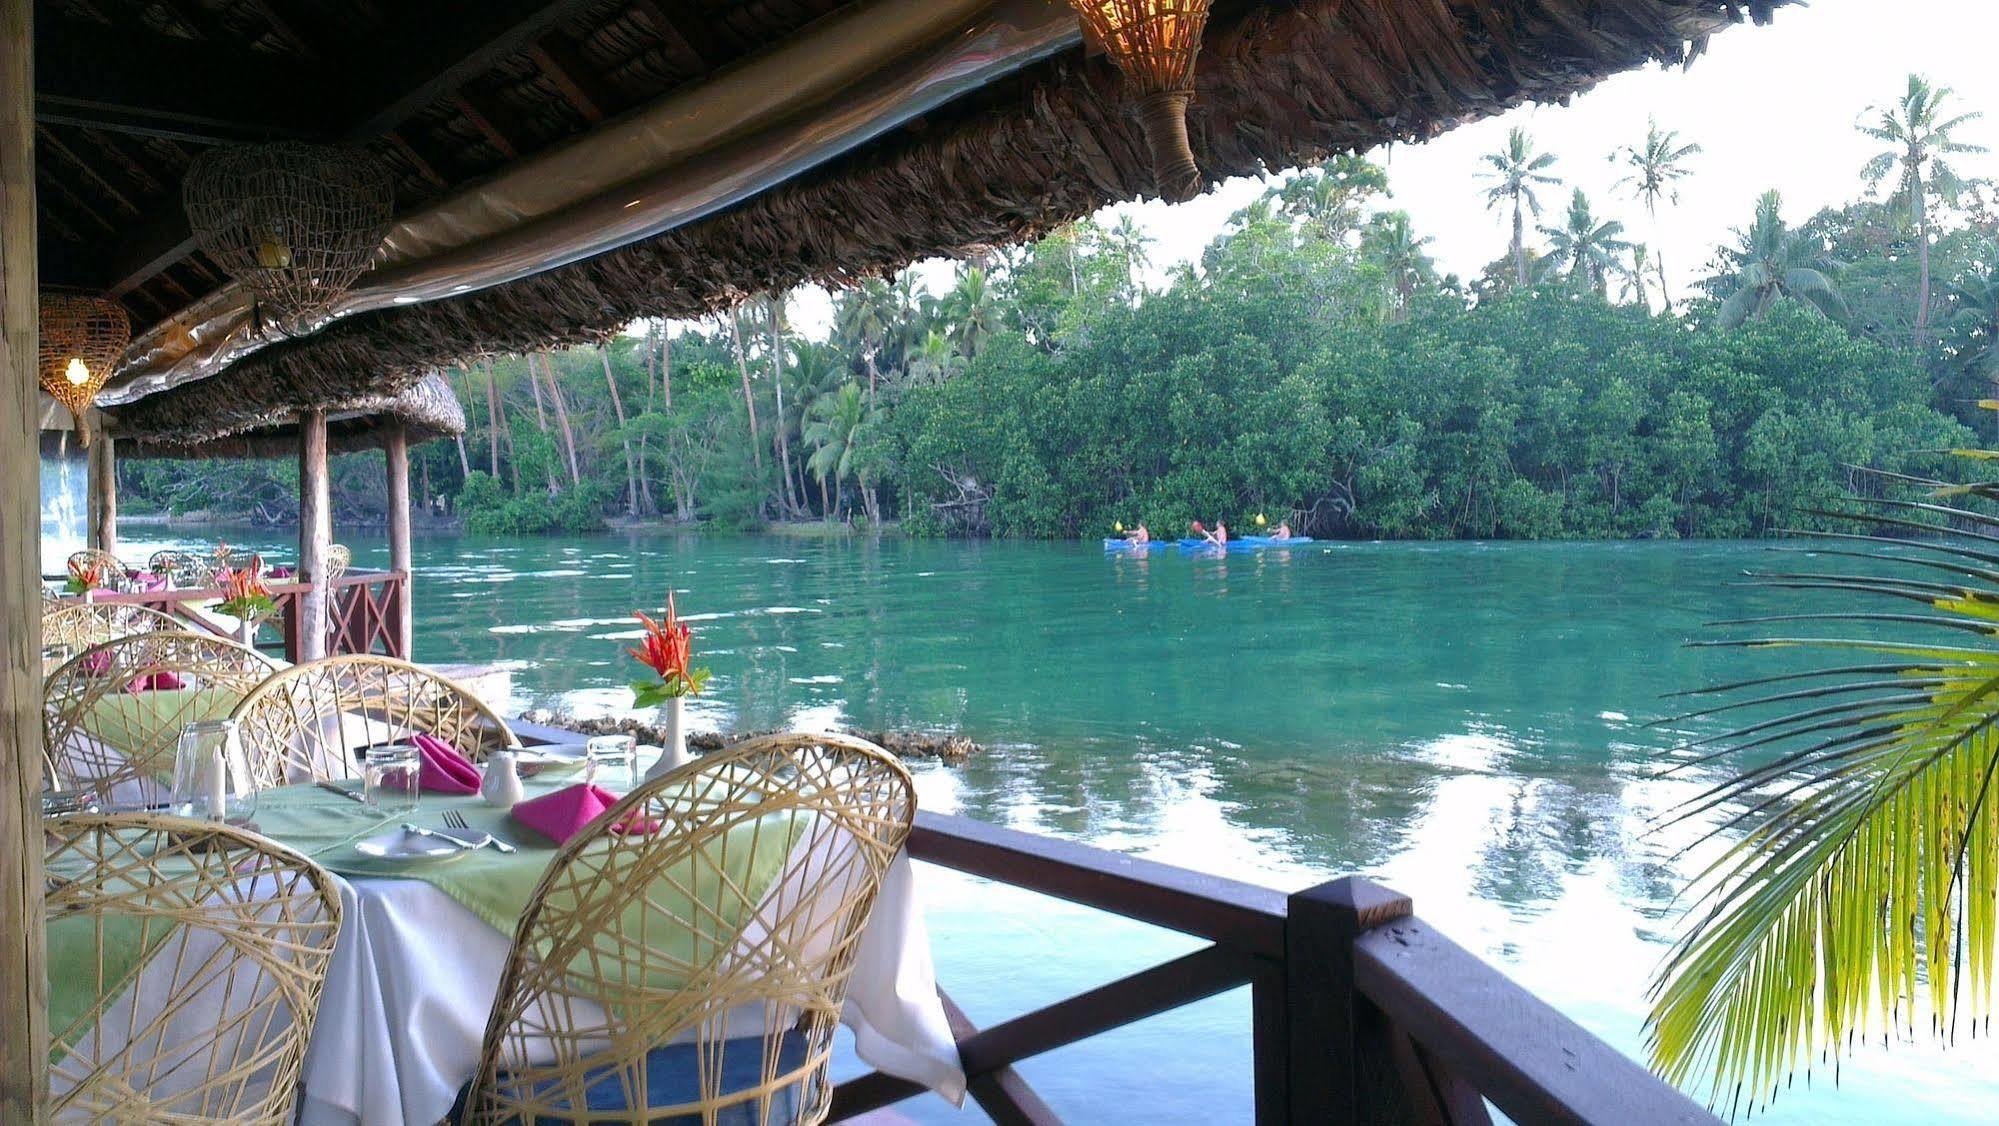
[561, 168]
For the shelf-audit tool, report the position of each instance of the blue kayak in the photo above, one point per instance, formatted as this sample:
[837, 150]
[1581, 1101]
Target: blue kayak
[1244, 543]
[1114, 545]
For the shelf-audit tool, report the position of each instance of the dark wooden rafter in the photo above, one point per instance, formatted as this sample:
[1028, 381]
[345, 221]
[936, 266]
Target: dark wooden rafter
[424, 168]
[135, 170]
[444, 45]
[562, 72]
[480, 120]
[53, 185]
[49, 141]
[677, 37]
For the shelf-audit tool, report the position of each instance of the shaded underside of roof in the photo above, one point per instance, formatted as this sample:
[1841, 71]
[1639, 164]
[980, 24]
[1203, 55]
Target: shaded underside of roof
[424, 411]
[1279, 84]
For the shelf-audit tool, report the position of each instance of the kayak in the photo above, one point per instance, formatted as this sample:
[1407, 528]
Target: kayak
[1244, 543]
[1115, 545]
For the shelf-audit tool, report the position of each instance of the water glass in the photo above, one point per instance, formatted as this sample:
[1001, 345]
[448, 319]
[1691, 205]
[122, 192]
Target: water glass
[389, 776]
[613, 762]
[212, 776]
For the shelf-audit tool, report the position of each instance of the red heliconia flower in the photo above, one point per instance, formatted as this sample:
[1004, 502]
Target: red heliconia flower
[668, 651]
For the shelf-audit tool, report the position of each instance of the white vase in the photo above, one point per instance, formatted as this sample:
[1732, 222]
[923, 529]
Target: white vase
[674, 754]
[502, 784]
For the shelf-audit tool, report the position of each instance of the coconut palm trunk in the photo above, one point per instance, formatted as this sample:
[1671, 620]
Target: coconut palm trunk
[562, 420]
[493, 418]
[624, 440]
[749, 397]
[541, 421]
[1519, 243]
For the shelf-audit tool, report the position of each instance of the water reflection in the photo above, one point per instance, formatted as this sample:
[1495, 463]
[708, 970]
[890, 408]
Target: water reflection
[1462, 721]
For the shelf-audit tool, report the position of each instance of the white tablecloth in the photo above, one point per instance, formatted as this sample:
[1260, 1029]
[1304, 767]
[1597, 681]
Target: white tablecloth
[414, 975]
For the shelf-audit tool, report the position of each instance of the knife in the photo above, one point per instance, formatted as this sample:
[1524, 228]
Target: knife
[348, 794]
[463, 844]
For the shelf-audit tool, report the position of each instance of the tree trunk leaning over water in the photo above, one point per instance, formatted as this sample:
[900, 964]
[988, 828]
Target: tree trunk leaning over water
[562, 420]
[749, 398]
[493, 422]
[618, 409]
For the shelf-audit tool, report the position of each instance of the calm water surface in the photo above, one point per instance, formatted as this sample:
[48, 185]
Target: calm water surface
[1461, 721]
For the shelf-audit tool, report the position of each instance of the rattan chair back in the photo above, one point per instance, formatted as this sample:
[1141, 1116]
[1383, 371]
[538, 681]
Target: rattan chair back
[339, 557]
[192, 957]
[305, 723]
[648, 930]
[110, 564]
[112, 714]
[71, 626]
[184, 569]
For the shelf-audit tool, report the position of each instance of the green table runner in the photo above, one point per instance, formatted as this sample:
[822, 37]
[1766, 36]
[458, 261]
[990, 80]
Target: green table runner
[146, 725]
[79, 974]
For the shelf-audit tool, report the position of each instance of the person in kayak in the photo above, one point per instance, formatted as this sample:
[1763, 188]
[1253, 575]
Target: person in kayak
[1219, 537]
[1283, 530]
[1139, 534]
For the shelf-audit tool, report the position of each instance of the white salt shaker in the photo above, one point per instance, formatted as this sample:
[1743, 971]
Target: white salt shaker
[502, 784]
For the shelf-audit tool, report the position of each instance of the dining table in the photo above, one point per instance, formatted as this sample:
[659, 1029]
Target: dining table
[422, 945]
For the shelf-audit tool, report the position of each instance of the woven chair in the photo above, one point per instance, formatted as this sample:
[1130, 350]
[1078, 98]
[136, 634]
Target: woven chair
[112, 714]
[693, 969]
[184, 569]
[73, 626]
[186, 965]
[108, 562]
[339, 557]
[305, 723]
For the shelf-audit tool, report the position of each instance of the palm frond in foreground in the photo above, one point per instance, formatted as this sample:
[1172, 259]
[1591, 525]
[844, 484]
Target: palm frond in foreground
[1859, 864]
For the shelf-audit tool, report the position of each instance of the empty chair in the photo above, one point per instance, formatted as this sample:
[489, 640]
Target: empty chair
[112, 714]
[686, 957]
[115, 573]
[70, 627]
[186, 961]
[183, 569]
[306, 722]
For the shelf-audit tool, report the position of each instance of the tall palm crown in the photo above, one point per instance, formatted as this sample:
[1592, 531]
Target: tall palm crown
[1327, 200]
[1774, 263]
[1918, 128]
[1516, 171]
[1391, 245]
[973, 312]
[863, 320]
[1654, 171]
[1585, 250]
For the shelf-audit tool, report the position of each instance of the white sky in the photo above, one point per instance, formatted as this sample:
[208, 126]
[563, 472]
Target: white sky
[1771, 107]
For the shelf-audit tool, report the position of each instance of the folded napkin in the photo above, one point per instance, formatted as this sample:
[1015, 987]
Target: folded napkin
[147, 582]
[444, 770]
[558, 816]
[155, 682]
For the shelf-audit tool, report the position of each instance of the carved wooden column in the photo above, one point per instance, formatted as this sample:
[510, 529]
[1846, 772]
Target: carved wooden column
[396, 450]
[24, 1053]
[315, 532]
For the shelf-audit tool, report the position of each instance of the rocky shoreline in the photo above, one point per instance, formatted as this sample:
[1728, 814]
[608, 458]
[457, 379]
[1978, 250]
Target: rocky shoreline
[909, 745]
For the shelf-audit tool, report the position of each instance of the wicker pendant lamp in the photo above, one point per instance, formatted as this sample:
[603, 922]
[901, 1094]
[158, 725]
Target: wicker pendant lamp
[79, 341]
[294, 223]
[1154, 43]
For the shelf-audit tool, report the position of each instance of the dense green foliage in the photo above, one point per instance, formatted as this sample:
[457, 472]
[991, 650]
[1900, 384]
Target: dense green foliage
[1313, 365]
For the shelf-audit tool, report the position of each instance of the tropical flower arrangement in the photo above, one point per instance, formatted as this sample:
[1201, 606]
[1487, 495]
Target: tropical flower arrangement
[669, 653]
[244, 594]
[86, 576]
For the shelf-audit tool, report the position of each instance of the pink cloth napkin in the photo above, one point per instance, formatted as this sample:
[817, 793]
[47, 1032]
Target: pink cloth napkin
[147, 581]
[155, 682]
[558, 816]
[444, 770]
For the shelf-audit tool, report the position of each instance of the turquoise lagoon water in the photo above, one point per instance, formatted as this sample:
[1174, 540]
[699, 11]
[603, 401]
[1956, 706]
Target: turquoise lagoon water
[1464, 722]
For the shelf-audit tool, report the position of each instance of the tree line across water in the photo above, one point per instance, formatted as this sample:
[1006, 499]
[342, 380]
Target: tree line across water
[1312, 365]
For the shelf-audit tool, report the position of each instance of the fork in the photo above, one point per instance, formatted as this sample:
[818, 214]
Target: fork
[456, 820]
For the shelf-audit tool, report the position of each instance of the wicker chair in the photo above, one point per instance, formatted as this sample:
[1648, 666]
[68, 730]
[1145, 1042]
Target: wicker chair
[187, 960]
[104, 728]
[73, 626]
[306, 722]
[184, 569]
[109, 563]
[696, 973]
[339, 557]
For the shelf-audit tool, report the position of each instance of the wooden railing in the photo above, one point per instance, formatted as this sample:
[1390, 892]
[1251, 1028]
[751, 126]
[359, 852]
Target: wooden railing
[1360, 1012]
[365, 609]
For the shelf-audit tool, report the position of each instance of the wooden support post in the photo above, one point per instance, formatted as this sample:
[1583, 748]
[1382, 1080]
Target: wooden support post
[396, 450]
[315, 533]
[103, 476]
[24, 1052]
[1341, 1065]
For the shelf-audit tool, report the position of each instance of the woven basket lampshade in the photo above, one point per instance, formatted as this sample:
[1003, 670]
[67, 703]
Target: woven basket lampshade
[1154, 43]
[80, 340]
[294, 223]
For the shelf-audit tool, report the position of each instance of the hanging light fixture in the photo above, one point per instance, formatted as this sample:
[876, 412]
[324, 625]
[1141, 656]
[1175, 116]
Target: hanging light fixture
[79, 341]
[294, 223]
[1154, 43]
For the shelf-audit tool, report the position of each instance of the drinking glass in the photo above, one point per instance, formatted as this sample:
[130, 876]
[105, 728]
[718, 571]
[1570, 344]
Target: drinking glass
[212, 775]
[613, 762]
[389, 778]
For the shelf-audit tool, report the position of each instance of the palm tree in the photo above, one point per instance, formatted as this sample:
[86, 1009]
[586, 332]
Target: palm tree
[1516, 170]
[1857, 876]
[1393, 247]
[1656, 167]
[972, 311]
[863, 320]
[834, 430]
[1584, 250]
[1974, 324]
[1774, 263]
[934, 361]
[1920, 133]
[1128, 240]
[1327, 199]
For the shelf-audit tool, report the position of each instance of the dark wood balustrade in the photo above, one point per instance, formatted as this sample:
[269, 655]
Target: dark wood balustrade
[1360, 1011]
[365, 611]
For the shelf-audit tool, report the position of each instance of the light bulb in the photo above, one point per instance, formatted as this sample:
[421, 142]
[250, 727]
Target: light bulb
[76, 372]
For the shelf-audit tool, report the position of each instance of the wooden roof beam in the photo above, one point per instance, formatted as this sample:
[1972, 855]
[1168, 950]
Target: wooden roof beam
[676, 37]
[106, 77]
[448, 43]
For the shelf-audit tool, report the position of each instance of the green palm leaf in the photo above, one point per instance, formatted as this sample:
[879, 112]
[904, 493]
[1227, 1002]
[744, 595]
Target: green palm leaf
[1855, 878]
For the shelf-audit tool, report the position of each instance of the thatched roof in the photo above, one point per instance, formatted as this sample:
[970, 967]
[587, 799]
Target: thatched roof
[1280, 83]
[426, 410]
